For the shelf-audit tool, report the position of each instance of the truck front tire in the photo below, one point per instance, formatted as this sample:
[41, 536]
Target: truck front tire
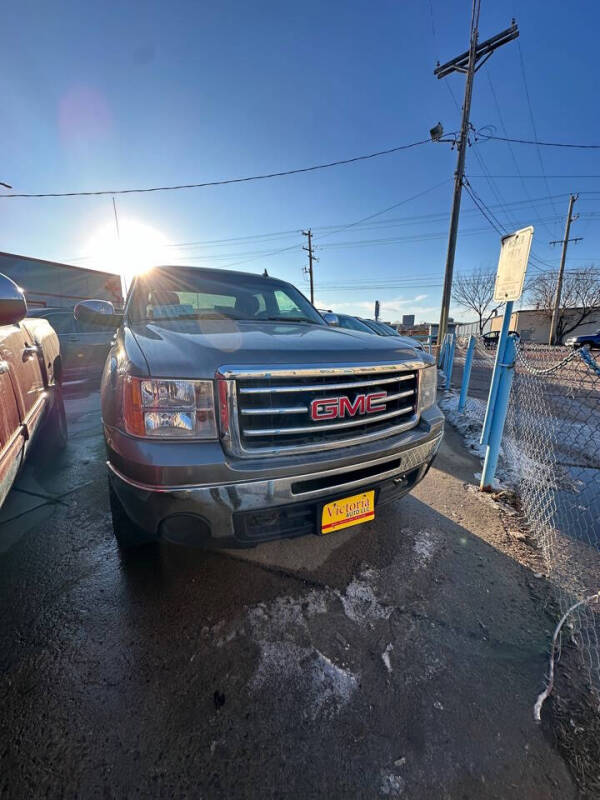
[56, 433]
[127, 533]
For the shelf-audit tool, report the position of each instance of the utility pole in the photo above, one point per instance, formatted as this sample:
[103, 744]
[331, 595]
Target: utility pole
[561, 269]
[311, 258]
[468, 63]
[377, 307]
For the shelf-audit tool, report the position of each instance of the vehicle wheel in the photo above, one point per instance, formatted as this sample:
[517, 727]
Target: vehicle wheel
[127, 533]
[56, 431]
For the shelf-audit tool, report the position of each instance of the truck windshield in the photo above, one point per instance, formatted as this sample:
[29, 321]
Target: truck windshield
[168, 293]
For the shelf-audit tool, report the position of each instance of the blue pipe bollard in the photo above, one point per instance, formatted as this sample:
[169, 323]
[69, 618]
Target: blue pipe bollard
[505, 379]
[464, 388]
[450, 359]
[500, 359]
[443, 353]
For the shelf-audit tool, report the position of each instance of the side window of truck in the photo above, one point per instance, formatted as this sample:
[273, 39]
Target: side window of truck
[285, 303]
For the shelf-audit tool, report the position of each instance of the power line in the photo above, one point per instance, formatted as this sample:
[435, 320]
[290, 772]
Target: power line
[539, 177]
[226, 181]
[497, 226]
[510, 147]
[537, 142]
[532, 118]
[351, 224]
[385, 210]
[359, 225]
[481, 208]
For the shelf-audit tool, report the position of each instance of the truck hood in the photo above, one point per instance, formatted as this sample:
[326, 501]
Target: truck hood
[197, 348]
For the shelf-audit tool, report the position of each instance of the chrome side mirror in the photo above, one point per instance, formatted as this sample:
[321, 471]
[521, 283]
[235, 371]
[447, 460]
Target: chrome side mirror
[331, 319]
[12, 302]
[97, 312]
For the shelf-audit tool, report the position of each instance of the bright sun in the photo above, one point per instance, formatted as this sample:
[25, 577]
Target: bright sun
[137, 248]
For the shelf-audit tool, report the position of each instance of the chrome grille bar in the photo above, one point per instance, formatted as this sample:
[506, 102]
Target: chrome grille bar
[269, 410]
[330, 426]
[304, 410]
[317, 387]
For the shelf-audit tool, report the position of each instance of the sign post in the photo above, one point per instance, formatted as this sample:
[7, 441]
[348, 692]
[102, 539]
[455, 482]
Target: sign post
[510, 277]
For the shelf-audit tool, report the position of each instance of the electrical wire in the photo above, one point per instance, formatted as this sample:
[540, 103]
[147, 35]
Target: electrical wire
[510, 147]
[385, 210]
[531, 116]
[494, 222]
[226, 181]
[538, 143]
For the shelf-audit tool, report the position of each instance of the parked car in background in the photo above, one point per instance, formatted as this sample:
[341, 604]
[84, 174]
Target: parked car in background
[234, 414]
[591, 339]
[31, 399]
[352, 323]
[369, 326]
[83, 347]
[380, 328]
[383, 329]
[490, 339]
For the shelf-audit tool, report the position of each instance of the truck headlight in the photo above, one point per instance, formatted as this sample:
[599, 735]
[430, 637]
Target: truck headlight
[427, 387]
[169, 409]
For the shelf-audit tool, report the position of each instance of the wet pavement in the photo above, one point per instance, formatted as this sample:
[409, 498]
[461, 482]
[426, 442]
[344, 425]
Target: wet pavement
[397, 658]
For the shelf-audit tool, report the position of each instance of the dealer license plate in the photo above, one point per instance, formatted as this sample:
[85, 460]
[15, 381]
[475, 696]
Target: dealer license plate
[348, 511]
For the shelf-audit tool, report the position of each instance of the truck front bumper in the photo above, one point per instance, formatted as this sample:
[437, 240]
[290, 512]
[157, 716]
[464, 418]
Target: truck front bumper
[244, 513]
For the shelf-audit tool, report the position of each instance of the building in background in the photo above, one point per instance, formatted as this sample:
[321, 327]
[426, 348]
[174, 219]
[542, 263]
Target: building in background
[408, 320]
[52, 284]
[433, 329]
[533, 325]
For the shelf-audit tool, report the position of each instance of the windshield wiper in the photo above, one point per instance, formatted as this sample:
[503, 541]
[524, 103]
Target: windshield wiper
[287, 319]
[208, 315]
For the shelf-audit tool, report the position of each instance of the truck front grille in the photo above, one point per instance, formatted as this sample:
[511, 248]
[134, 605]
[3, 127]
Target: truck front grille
[274, 412]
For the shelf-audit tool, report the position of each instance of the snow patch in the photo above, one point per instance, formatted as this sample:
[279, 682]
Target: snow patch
[360, 602]
[391, 785]
[288, 663]
[424, 547]
[385, 656]
[325, 686]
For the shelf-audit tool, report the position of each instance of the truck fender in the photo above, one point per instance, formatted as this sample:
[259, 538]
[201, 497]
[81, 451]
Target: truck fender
[45, 339]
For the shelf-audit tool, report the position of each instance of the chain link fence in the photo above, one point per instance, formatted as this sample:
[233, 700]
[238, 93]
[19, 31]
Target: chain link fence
[552, 441]
[551, 458]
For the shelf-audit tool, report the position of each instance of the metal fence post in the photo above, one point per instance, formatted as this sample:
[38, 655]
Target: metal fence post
[500, 359]
[506, 372]
[466, 373]
[450, 358]
[443, 353]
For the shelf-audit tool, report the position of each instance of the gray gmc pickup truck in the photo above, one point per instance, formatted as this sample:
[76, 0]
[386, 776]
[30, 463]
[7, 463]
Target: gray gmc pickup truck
[234, 414]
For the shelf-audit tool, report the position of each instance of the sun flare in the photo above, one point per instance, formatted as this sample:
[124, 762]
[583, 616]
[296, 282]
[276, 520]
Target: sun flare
[137, 248]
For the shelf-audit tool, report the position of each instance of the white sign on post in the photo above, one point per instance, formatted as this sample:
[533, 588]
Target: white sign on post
[512, 265]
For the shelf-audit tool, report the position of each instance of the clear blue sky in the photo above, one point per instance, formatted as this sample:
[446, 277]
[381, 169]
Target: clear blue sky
[114, 95]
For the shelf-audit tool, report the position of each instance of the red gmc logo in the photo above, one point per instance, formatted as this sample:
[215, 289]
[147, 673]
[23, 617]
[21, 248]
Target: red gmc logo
[334, 407]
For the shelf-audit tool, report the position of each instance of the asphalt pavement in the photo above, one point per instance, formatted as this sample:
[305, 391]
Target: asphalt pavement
[399, 658]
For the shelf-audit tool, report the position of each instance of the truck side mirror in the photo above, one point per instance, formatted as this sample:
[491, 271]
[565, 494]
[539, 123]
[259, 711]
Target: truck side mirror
[97, 312]
[332, 319]
[12, 302]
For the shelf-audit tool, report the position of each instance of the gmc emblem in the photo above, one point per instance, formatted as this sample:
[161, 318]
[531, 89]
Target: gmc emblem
[334, 407]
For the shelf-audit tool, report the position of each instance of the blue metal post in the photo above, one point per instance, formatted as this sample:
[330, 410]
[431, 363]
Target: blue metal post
[466, 374]
[442, 355]
[450, 358]
[507, 369]
[500, 359]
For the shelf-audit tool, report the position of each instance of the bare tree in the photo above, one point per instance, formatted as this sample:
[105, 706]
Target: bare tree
[580, 297]
[476, 292]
